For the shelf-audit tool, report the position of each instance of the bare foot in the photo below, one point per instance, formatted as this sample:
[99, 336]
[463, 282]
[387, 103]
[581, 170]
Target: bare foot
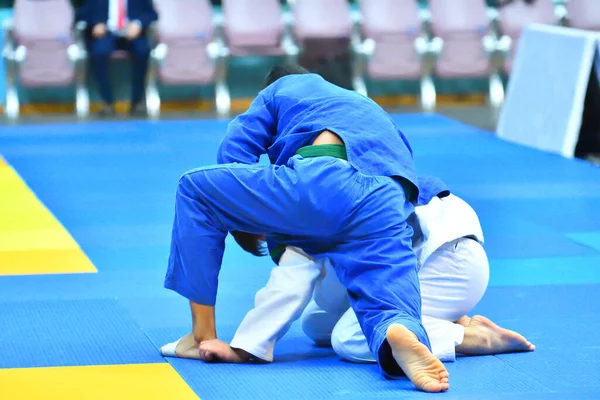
[186, 347]
[425, 371]
[464, 321]
[483, 337]
[218, 351]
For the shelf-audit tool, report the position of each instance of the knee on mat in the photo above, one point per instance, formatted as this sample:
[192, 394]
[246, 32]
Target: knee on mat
[310, 326]
[350, 344]
[338, 342]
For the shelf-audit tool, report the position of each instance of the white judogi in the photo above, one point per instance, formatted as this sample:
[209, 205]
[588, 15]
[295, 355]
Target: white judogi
[453, 272]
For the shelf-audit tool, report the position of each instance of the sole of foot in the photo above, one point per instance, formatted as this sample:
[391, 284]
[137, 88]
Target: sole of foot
[423, 369]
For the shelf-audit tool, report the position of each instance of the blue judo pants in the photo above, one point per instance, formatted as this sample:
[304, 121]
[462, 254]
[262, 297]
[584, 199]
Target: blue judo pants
[322, 205]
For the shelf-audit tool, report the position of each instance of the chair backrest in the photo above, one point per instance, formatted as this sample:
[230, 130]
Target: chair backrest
[394, 58]
[43, 19]
[315, 19]
[187, 62]
[252, 22]
[584, 14]
[515, 17]
[458, 17]
[383, 18]
[44, 27]
[184, 19]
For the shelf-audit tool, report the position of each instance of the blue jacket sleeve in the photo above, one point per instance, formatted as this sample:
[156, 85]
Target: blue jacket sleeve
[148, 14]
[250, 134]
[84, 13]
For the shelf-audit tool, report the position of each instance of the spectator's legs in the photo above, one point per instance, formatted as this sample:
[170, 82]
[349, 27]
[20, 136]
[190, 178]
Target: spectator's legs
[101, 49]
[140, 51]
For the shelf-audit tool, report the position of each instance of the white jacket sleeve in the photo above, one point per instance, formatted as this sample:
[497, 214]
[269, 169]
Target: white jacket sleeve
[278, 304]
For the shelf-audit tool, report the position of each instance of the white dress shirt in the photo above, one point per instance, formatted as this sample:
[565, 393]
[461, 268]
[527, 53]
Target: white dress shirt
[113, 17]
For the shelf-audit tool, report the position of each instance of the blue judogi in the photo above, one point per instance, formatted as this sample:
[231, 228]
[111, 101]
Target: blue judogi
[352, 212]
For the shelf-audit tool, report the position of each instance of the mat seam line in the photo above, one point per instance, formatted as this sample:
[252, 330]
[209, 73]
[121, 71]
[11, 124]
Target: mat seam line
[524, 373]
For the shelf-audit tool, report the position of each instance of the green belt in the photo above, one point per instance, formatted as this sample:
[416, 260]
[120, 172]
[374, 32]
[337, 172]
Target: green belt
[324, 150]
[337, 151]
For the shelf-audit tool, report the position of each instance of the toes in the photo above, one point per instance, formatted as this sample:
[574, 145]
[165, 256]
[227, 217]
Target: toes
[444, 374]
[432, 387]
[435, 387]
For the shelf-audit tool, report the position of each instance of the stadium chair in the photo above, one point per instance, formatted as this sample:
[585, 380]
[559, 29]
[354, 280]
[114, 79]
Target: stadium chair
[318, 19]
[395, 46]
[187, 53]
[584, 14]
[255, 27]
[43, 50]
[323, 31]
[515, 17]
[469, 47]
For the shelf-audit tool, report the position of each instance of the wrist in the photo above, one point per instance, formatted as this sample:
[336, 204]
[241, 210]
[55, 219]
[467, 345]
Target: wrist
[242, 354]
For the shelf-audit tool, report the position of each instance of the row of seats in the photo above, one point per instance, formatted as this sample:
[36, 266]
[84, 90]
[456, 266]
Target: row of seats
[391, 40]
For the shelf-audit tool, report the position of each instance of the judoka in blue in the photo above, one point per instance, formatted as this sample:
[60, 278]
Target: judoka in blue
[353, 212]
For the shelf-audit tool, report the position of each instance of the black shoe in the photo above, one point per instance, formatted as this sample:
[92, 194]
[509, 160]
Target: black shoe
[138, 110]
[107, 111]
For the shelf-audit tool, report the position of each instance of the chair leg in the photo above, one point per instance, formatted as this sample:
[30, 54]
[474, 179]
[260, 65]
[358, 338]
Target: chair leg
[12, 94]
[359, 85]
[12, 103]
[429, 51]
[428, 94]
[82, 102]
[82, 96]
[153, 101]
[358, 81]
[496, 91]
[222, 95]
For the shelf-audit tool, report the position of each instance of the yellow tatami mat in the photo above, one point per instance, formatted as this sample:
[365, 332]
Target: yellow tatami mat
[114, 382]
[32, 240]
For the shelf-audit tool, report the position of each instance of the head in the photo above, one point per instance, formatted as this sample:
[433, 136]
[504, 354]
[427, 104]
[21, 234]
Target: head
[250, 242]
[279, 71]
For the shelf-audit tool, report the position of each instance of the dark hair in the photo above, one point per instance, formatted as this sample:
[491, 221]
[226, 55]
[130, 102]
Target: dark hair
[252, 243]
[279, 71]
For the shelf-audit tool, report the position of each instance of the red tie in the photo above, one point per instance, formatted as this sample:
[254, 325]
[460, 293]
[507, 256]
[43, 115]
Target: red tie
[121, 15]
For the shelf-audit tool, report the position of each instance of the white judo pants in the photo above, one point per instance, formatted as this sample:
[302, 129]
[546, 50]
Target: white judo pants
[453, 280]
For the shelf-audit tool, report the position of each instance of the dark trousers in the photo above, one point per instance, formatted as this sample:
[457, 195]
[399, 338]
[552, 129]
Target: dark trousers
[101, 50]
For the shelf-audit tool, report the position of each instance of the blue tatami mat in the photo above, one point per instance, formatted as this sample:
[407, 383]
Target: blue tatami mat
[544, 271]
[69, 333]
[591, 239]
[112, 185]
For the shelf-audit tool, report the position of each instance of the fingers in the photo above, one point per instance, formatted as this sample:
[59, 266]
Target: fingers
[209, 351]
[209, 357]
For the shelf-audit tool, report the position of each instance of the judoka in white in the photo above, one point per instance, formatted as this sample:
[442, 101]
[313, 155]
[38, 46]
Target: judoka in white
[453, 274]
